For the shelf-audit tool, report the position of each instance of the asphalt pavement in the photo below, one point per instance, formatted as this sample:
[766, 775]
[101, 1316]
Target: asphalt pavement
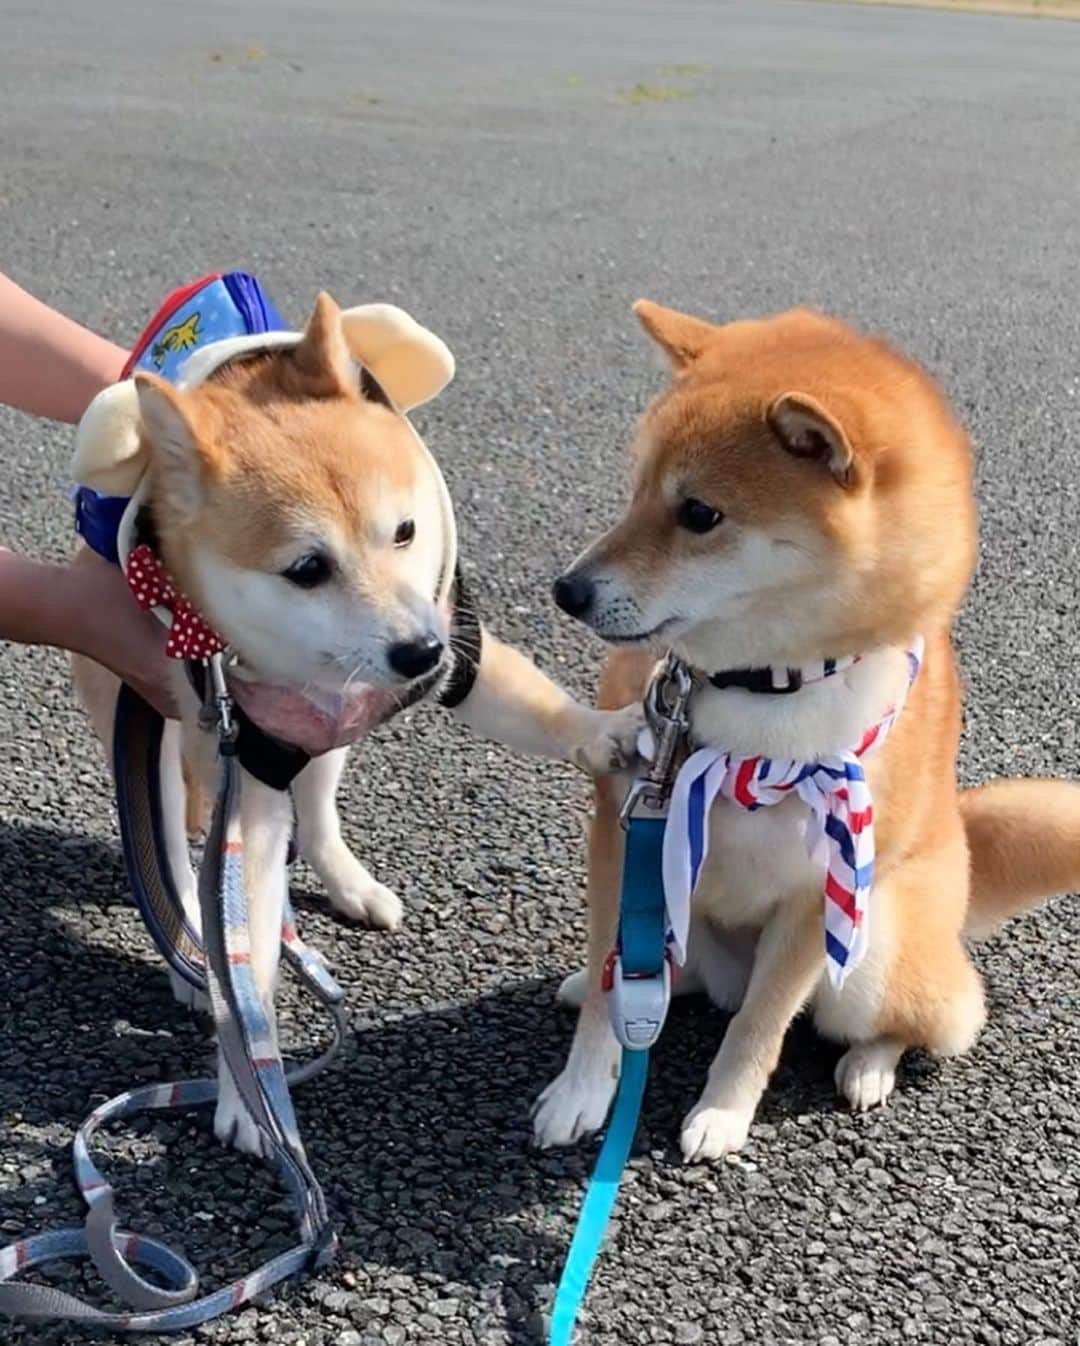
[516, 175]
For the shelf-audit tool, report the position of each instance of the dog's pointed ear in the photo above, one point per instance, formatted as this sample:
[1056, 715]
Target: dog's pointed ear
[680, 336]
[322, 358]
[182, 452]
[806, 430]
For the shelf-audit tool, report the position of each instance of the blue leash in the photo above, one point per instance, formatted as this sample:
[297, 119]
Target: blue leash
[637, 979]
[638, 1002]
[600, 1198]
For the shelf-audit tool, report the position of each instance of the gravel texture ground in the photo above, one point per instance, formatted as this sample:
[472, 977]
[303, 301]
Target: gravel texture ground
[516, 175]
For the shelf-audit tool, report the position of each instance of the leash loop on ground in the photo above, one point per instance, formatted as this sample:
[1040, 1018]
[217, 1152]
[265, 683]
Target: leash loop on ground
[245, 1038]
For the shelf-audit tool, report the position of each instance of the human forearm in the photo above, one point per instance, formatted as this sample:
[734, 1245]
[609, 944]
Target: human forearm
[37, 602]
[49, 365]
[84, 606]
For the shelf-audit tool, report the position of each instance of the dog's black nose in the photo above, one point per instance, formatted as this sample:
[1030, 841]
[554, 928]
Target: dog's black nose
[413, 658]
[574, 594]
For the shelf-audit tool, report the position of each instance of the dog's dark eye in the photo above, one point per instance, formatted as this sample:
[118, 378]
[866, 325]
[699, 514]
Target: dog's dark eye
[406, 531]
[697, 517]
[310, 571]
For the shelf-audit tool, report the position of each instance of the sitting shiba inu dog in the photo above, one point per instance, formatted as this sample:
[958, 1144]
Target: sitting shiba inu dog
[802, 532]
[287, 510]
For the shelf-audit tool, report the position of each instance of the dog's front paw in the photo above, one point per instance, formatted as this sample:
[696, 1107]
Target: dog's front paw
[233, 1124]
[573, 1105]
[609, 740]
[367, 901]
[573, 990]
[352, 891]
[710, 1133]
[866, 1074]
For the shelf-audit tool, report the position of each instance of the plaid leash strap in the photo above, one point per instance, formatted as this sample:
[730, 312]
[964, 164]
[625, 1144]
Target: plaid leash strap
[840, 832]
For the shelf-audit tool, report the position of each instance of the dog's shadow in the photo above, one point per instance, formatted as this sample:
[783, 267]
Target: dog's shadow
[420, 1132]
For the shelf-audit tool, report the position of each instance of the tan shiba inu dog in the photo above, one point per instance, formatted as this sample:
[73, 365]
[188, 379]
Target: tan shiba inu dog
[297, 509]
[803, 493]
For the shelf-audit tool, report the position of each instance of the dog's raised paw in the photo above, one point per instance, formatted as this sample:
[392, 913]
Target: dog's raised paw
[573, 1105]
[710, 1133]
[866, 1074]
[612, 743]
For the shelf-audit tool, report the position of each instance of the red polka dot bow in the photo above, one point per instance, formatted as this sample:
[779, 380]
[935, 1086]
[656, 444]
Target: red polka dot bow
[189, 637]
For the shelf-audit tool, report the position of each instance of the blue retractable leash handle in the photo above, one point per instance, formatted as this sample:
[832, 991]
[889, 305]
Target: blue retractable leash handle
[640, 987]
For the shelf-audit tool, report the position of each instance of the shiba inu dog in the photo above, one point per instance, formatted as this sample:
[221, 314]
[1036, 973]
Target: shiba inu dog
[296, 511]
[803, 518]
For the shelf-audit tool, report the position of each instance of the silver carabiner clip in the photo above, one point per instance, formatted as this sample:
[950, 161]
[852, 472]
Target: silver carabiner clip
[219, 705]
[666, 699]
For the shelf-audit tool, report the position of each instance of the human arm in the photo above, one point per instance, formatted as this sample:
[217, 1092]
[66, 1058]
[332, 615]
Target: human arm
[84, 606]
[49, 365]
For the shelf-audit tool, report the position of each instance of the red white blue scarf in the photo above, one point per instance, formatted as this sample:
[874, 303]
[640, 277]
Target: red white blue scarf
[840, 832]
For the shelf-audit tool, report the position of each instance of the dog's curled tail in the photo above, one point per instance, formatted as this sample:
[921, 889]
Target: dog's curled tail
[1024, 838]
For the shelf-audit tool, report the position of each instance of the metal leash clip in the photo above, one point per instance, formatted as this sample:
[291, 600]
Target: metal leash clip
[217, 708]
[665, 711]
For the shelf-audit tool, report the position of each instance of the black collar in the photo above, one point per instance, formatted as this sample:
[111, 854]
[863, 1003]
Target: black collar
[778, 680]
[757, 680]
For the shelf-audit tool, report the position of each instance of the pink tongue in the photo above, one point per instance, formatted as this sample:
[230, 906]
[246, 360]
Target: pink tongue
[315, 721]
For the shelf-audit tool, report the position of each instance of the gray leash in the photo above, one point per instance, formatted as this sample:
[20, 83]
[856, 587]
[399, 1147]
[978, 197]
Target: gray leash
[247, 1043]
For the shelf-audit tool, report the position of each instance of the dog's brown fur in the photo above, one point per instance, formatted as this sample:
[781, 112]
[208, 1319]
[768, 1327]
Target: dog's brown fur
[282, 441]
[287, 457]
[810, 436]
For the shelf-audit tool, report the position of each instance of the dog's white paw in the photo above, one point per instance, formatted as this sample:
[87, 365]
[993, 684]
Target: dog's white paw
[187, 995]
[233, 1124]
[367, 901]
[610, 741]
[710, 1133]
[866, 1074]
[572, 990]
[573, 1105]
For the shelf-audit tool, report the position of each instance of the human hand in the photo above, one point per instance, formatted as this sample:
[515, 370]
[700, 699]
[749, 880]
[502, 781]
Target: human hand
[110, 628]
[85, 606]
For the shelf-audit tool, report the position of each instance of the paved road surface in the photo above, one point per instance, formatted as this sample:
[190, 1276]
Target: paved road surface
[497, 168]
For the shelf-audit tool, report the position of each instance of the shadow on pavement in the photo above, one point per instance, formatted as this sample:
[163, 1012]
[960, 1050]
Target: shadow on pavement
[420, 1133]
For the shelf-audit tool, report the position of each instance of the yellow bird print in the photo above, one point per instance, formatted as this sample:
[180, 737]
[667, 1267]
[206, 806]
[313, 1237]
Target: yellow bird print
[180, 337]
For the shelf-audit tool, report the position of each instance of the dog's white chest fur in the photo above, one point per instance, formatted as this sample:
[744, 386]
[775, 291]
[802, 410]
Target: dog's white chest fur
[755, 860]
[759, 858]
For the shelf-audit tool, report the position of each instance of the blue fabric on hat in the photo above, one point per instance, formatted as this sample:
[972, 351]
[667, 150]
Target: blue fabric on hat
[227, 306]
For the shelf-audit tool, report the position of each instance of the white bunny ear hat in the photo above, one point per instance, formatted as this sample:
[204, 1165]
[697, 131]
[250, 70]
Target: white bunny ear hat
[411, 365]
